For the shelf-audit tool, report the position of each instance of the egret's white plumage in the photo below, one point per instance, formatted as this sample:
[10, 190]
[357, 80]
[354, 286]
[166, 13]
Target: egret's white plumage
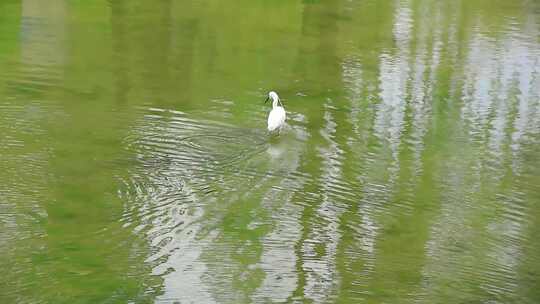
[276, 118]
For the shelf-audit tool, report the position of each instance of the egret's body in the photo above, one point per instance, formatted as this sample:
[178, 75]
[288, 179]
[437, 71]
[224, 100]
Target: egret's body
[276, 118]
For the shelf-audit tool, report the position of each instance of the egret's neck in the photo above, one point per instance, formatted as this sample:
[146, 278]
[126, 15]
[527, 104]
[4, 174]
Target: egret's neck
[275, 102]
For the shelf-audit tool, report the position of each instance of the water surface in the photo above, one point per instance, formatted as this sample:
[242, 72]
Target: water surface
[135, 166]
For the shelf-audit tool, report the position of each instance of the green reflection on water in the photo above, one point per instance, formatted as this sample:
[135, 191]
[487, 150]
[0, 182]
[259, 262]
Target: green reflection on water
[136, 167]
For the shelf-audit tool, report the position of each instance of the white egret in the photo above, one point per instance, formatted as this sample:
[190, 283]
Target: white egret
[276, 118]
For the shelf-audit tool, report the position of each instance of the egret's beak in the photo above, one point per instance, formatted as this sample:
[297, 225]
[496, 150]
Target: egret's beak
[267, 98]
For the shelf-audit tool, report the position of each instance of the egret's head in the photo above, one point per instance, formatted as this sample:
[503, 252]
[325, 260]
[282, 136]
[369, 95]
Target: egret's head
[272, 95]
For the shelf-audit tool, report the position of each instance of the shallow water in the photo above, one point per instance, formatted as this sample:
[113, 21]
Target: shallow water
[136, 168]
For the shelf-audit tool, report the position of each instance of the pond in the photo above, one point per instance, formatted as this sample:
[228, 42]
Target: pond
[135, 165]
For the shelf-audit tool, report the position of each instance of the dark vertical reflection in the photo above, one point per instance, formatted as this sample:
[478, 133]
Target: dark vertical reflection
[121, 51]
[155, 53]
[182, 51]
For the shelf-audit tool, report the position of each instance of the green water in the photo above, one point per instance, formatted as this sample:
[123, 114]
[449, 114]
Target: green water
[135, 166]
